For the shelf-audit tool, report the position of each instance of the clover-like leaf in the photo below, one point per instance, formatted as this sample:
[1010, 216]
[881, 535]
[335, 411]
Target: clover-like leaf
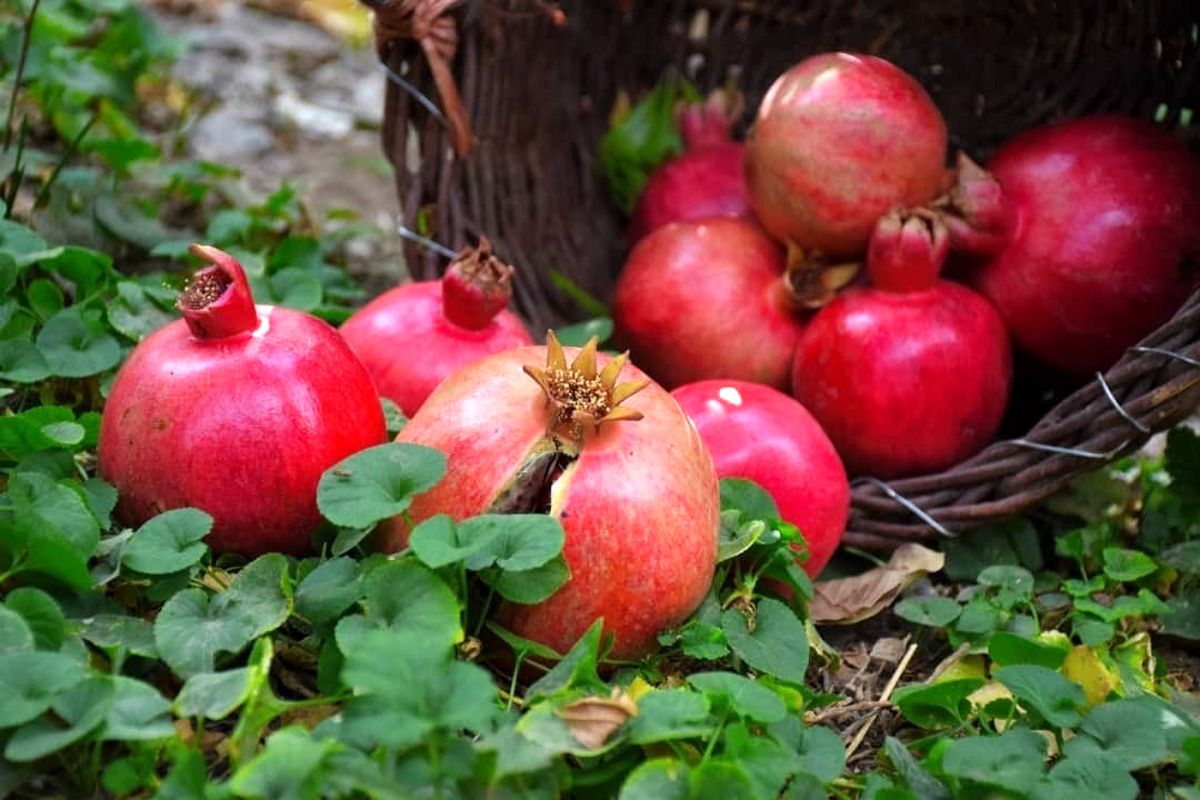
[75, 346]
[777, 644]
[41, 613]
[377, 483]
[740, 695]
[1013, 760]
[408, 599]
[168, 542]
[668, 714]
[1045, 691]
[78, 711]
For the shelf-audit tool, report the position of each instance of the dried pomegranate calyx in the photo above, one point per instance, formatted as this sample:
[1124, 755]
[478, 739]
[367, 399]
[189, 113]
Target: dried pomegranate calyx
[578, 393]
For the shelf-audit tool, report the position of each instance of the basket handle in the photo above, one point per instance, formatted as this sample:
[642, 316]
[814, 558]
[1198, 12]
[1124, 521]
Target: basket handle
[430, 23]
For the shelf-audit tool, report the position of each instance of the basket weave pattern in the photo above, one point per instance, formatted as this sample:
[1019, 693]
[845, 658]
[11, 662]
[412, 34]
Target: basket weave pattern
[536, 80]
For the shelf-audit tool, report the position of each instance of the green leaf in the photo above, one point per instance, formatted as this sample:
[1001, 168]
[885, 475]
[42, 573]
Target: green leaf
[439, 542]
[75, 347]
[746, 496]
[668, 714]
[1122, 564]
[777, 645]
[330, 589]
[82, 708]
[1045, 691]
[42, 614]
[1183, 617]
[44, 297]
[133, 313]
[1012, 760]
[576, 670]
[740, 695]
[1011, 585]
[1184, 556]
[577, 335]
[214, 695]
[767, 763]
[1129, 733]
[933, 611]
[657, 779]
[703, 641]
[737, 536]
[1006, 648]
[915, 777]
[531, 585]
[22, 362]
[138, 713]
[190, 631]
[101, 500]
[515, 754]
[188, 776]
[1014, 542]
[936, 705]
[408, 599]
[15, 635]
[1091, 775]
[258, 592]
[1182, 462]
[288, 768]
[819, 750]
[38, 498]
[168, 542]
[720, 779]
[514, 542]
[30, 681]
[406, 690]
[377, 483]
[117, 630]
[979, 616]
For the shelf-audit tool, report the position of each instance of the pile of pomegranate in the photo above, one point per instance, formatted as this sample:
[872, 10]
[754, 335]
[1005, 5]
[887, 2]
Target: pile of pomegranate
[827, 299]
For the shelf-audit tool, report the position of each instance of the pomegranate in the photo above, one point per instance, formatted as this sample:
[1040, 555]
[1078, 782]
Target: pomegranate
[760, 433]
[839, 140]
[628, 477]
[910, 375]
[706, 180]
[707, 299]
[236, 409]
[411, 337]
[1088, 233]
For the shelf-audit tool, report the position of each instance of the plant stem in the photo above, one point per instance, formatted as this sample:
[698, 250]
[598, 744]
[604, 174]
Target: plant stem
[716, 734]
[512, 685]
[26, 34]
[44, 193]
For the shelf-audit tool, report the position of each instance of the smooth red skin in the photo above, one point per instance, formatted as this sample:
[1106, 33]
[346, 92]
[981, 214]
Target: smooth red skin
[408, 346]
[760, 433]
[701, 183]
[241, 427]
[700, 300]
[838, 141]
[640, 506]
[1106, 208]
[905, 384]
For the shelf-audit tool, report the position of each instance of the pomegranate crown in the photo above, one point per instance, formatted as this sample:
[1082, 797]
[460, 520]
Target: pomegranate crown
[476, 287]
[578, 393]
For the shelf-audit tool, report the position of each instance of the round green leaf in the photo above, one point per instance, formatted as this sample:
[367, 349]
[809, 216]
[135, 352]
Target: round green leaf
[1122, 564]
[75, 348]
[15, 635]
[67, 434]
[22, 362]
[31, 680]
[657, 779]
[820, 750]
[1013, 760]
[41, 613]
[190, 631]
[746, 496]
[778, 644]
[1092, 775]
[1045, 691]
[138, 713]
[531, 585]
[1006, 648]
[82, 709]
[118, 630]
[512, 541]
[720, 779]
[741, 695]
[439, 542]
[933, 611]
[668, 714]
[377, 483]
[168, 542]
[406, 597]
[214, 695]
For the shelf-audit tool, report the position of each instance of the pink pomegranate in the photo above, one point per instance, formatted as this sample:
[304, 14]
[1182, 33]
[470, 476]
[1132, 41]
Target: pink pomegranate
[838, 141]
[708, 299]
[760, 433]
[910, 375]
[236, 409]
[707, 180]
[618, 463]
[1089, 233]
[411, 337]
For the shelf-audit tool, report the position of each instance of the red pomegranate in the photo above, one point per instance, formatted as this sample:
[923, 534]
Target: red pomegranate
[411, 337]
[628, 477]
[706, 180]
[759, 433]
[838, 141]
[708, 299]
[1089, 232]
[910, 375]
[236, 409]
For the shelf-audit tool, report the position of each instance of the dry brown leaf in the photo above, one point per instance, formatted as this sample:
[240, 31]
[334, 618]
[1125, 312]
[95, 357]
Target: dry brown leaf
[593, 719]
[889, 650]
[847, 600]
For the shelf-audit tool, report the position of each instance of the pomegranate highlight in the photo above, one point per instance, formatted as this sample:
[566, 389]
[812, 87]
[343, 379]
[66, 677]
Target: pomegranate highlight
[235, 409]
[759, 433]
[606, 451]
[707, 299]
[839, 140]
[911, 375]
[411, 337]
[707, 180]
[1088, 234]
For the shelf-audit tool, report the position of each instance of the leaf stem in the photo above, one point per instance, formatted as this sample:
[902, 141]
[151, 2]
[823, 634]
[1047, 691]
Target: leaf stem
[712, 741]
[44, 193]
[26, 35]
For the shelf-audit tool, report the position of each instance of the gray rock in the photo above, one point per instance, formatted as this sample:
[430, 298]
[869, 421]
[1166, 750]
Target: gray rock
[231, 134]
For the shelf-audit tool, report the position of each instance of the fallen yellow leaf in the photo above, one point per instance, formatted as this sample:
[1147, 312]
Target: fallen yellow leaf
[1085, 668]
[844, 601]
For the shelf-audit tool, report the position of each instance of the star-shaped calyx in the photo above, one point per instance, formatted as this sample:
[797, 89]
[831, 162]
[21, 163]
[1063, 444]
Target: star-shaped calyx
[578, 393]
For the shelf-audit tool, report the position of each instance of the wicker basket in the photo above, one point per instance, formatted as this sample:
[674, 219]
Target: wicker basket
[495, 108]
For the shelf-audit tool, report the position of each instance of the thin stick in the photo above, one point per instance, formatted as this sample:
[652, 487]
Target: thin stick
[883, 698]
[20, 74]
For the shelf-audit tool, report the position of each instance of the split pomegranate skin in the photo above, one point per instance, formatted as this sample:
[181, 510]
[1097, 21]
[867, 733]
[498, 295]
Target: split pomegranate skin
[636, 493]
[236, 410]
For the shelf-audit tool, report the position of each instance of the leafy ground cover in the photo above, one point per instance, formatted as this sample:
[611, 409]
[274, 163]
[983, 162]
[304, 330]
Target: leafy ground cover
[1051, 656]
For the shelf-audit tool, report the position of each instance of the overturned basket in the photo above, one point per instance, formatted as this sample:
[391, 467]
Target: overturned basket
[495, 109]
